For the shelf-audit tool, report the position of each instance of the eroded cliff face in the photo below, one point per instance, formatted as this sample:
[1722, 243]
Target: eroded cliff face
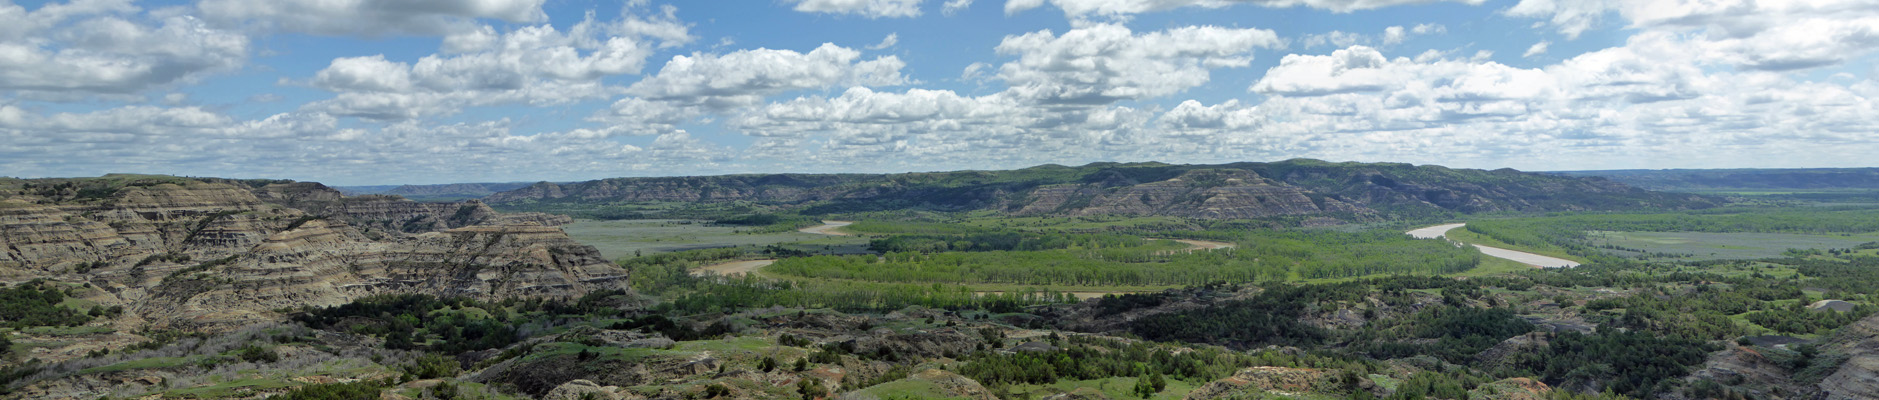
[1221, 194]
[396, 214]
[207, 254]
[325, 263]
[51, 235]
[1858, 377]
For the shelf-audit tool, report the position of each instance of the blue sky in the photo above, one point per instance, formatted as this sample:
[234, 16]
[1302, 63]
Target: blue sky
[387, 92]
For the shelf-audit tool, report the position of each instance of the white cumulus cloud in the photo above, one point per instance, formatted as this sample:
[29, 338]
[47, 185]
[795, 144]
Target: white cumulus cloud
[865, 8]
[889, 41]
[744, 77]
[955, 6]
[68, 51]
[1537, 49]
[1763, 35]
[1103, 63]
[532, 65]
[1124, 8]
[368, 17]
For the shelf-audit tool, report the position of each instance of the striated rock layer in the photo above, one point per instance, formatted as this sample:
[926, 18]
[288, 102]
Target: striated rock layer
[1858, 377]
[214, 254]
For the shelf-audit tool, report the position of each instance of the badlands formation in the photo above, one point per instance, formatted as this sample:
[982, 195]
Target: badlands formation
[216, 254]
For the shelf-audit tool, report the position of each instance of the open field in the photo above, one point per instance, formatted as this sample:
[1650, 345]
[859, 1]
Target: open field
[1085, 223]
[627, 238]
[1716, 246]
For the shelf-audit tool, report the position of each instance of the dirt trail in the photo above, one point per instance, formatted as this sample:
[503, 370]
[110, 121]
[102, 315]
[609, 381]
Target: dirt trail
[828, 228]
[1193, 245]
[1441, 231]
[732, 268]
[1205, 245]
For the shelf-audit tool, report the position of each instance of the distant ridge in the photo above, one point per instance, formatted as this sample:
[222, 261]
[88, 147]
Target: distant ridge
[1740, 179]
[442, 192]
[1305, 188]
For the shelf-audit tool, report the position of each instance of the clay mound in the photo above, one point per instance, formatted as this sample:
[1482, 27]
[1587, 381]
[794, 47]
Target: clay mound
[954, 385]
[1511, 389]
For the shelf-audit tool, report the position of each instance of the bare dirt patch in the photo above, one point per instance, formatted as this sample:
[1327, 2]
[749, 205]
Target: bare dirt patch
[828, 228]
[1205, 245]
[732, 268]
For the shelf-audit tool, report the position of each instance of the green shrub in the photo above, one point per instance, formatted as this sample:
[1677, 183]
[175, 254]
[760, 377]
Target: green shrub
[432, 366]
[254, 353]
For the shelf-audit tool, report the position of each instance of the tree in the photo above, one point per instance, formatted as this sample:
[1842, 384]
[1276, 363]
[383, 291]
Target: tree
[1144, 388]
[431, 366]
[811, 389]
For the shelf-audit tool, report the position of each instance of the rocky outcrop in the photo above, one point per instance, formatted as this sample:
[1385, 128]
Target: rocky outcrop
[1858, 377]
[1218, 194]
[1509, 352]
[213, 254]
[454, 189]
[1750, 371]
[387, 213]
[1279, 380]
[788, 188]
[323, 263]
[55, 234]
[36, 237]
[954, 385]
[1511, 389]
[582, 389]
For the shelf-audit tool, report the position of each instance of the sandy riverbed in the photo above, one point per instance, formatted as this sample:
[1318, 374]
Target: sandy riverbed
[827, 228]
[746, 266]
[1441, 231]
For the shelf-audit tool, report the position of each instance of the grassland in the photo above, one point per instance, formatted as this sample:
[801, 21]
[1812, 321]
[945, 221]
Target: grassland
[1718, 246]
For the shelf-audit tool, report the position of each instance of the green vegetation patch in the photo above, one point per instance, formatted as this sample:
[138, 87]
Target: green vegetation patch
[1715, 246]
[586, 353]
[68, 331]
[37, 303]
[1115, 388]
[906, 389]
